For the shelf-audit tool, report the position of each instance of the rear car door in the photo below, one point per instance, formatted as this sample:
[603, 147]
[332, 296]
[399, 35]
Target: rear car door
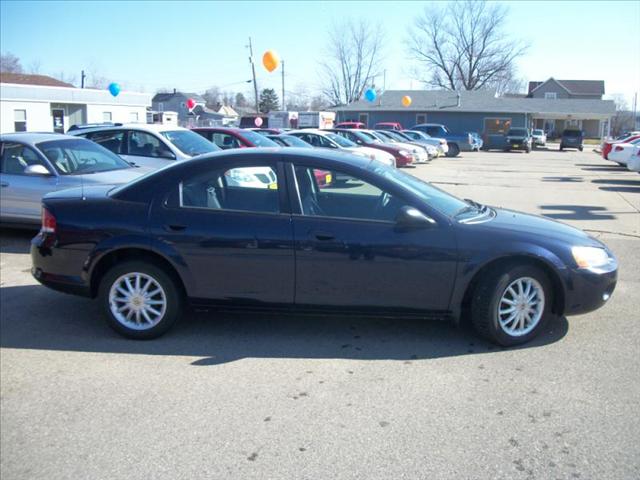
[231, 227]
[349, 253]
[21, 194]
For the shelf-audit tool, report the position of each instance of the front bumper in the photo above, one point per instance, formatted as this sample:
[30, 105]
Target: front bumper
[514, 144]
[588, 290]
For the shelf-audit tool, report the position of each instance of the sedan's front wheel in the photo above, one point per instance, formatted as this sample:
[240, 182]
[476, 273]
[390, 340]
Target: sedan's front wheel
[511, 305]
[140, 300]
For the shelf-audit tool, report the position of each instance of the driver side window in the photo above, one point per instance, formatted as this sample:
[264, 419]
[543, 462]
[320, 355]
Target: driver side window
[337, 194]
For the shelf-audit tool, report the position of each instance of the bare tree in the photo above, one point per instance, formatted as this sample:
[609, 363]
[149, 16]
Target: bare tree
[212, 97]
[35, 67]
[9, 63]
[462, 45]
[353, 60]
[623, 120]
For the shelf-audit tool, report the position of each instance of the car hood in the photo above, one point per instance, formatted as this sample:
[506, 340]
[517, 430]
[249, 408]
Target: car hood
[518, 222]
[113, 177]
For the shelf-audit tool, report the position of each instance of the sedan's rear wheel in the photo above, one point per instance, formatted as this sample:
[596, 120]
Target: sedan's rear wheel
[454, 150]
[140, 300]
[511, 305]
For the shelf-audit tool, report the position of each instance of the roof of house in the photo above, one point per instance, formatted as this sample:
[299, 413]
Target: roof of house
[575, 87]
[227, 111]
[480, 101]
[28, 79]
[165, 96]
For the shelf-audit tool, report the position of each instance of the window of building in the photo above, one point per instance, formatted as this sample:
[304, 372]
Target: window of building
[421, 118]
[20, 120]
[338, 194]
[550, 95]
[247, 188]
[364, 118]
[497, 126]
[133, 117]
[161, 107]
[106, 116]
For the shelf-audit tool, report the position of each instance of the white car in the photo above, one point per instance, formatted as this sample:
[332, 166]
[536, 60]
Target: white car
[148, 145]
[419, 153]
[325, 139]
[252, 177]
[539, 137]
[622, 152]
[633, 164]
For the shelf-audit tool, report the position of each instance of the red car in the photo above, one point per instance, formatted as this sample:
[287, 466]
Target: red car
[388, 126]
[227, 138]
[350, 125]
[608, 145]
[403, 158]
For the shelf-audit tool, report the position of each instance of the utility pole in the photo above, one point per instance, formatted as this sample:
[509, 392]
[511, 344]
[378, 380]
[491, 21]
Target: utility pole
[384, 80]
[284, 105]
[82, 77]
[253, 72]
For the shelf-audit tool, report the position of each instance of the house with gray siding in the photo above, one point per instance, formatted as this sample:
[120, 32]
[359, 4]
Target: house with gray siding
[176, 101]
[480, 111]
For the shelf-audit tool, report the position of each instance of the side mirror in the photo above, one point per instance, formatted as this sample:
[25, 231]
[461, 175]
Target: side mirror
[37, 169]
[410, 218]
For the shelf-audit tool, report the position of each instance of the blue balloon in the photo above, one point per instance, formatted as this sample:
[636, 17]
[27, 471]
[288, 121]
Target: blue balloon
[370, 95]
[114, 89]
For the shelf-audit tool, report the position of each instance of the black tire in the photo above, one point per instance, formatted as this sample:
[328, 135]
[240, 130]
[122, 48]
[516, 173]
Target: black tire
[487, 295]
[580, 148]
[561, 147]
[454, 150]
[173, 297]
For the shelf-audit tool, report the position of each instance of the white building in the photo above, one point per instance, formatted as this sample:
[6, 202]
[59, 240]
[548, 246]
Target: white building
[36, 103]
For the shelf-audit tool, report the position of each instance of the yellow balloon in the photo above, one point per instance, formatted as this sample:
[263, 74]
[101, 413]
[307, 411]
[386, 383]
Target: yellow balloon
[406, 100]
[270, 60]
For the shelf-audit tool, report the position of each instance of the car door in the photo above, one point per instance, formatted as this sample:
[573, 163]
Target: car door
[147, 150]
[350, 254]
[232, 231]
[21, 193]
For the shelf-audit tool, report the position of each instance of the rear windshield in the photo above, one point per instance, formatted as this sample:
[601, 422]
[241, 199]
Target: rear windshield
[190, 143]
[517, 131]
[340, 140]
[292, 141]
[538, 132]
[258, 139]
[572, 133]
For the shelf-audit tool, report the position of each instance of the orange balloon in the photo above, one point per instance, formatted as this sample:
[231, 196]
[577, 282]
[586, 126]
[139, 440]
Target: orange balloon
[270, 60]
[406, 100]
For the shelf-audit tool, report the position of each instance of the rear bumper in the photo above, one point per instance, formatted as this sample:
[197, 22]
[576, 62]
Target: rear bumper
[59, 268]
[587, 291]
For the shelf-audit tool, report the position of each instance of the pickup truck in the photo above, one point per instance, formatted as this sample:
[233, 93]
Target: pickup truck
[457, 143]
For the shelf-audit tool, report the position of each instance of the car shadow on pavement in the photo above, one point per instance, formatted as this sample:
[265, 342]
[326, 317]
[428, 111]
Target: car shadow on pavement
[16, 240]
[34, 317]
[563, 179]
[576, 212]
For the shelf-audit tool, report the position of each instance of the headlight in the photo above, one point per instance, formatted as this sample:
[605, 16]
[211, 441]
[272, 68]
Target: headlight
[590, 257]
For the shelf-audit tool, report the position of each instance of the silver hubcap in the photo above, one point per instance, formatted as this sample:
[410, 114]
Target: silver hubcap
[137, 301]
[521, 306]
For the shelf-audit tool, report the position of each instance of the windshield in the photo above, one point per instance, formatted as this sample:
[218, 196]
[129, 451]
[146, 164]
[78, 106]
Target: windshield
[397, 136]
[517, 131]
[385, 137]
[432, 196]
[292, 141]
[189, 143]
[538, 132]
[79, 156]
[258, 139]
[367, 137]
[340, 140]
[572, 133]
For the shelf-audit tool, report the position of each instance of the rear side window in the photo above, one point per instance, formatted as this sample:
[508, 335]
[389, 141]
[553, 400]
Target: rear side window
[248, 188]
[111, 140]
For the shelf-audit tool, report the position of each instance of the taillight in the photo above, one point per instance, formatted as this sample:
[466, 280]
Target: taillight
[48, 221]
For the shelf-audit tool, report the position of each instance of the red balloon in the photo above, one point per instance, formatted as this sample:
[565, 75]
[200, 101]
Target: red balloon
[191, 103]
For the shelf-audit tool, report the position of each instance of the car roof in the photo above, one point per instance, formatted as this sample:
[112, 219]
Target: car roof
[220, 129]
[31, 138]
[144, 127]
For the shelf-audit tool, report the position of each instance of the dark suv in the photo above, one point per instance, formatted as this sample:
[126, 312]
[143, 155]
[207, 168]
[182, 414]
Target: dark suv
[518, 139]
[571, 138]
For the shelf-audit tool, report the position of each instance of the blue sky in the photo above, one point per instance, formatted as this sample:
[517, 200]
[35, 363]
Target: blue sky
[194, 45]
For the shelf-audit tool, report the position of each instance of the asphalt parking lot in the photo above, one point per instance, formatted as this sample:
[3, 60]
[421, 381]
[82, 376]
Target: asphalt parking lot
[270, 397]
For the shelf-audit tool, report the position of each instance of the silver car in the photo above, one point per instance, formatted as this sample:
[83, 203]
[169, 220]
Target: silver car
[148, 145]
[33, 164]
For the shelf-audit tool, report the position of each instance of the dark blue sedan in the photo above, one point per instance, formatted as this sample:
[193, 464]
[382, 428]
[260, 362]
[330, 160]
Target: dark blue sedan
[374, 240]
